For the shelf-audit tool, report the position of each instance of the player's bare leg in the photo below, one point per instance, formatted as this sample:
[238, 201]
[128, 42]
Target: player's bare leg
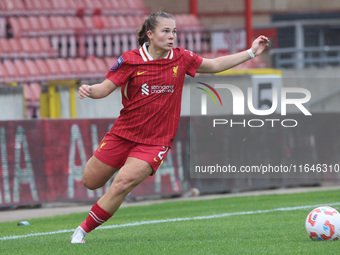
[97, 173]
[130, 175]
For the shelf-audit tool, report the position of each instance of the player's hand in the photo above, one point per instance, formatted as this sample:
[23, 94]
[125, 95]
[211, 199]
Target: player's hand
[259, 45]
[84, 91]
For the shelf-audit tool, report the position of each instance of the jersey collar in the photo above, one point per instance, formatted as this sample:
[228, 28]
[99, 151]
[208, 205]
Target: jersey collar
[146, 55]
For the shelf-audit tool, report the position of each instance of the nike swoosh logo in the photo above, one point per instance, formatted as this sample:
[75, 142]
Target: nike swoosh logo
[155, 159]
[139, 73]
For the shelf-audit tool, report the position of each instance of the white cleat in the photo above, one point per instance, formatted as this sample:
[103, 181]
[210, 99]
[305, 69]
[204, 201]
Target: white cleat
[78, 235]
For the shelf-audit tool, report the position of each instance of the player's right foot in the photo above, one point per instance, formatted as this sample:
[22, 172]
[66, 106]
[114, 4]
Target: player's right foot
[78, 235]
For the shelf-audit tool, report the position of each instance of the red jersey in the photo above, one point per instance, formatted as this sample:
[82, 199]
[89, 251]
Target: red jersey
[152, 94]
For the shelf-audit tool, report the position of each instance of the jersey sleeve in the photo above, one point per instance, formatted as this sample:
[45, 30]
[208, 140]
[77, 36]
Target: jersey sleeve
[193, 62]
[120, 72]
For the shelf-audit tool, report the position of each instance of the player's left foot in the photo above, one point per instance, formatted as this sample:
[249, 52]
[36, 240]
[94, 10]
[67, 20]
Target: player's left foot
[78, 235]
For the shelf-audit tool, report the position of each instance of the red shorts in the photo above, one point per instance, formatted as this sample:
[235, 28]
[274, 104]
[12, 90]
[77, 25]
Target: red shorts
[114, 150]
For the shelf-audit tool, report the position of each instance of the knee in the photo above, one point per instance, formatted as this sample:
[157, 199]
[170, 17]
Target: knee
[90, 182]
[90, 185]
[96, 174]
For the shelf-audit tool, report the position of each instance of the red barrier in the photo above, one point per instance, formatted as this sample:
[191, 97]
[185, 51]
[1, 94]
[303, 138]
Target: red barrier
[42, 160]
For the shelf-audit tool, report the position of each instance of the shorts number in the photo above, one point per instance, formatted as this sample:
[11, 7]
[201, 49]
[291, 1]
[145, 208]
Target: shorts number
[161, 153]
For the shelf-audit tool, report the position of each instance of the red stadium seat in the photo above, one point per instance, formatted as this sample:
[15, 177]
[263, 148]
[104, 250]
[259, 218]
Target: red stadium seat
[27, 50]
[75, 24]
[89, 4]
[79, 68]
[36, 29]
[137, 21]
[25, 26]
[16, 49]
[47, 6]
[79, 5]
[55, 26]
[12, 74]
[19, 6]
[99, 24]
[13, 7]
[32, 7]
[108, 7]
[39, 7]
[64, 68]
[3, 73]
[121, 6]
[55, 72]
[60, 26]
[74, 69]
[25, 47]
[22, 70]
[15, 26]
[5, 47]
[93, 7]
[88, 24]
[101, 65]
[135, 7]
[46, 48]
[93, 70]
[2, 9]
[113, 24]
[34, 72]
[61, 7]
[75, 5]
[43, 68]
[83, 68]
[45, 24]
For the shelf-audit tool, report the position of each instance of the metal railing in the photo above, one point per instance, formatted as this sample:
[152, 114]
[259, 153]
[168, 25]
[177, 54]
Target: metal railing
[322, 56]
[301, 56]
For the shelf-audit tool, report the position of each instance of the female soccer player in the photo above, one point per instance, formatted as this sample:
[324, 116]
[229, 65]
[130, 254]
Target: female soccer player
[151, 79]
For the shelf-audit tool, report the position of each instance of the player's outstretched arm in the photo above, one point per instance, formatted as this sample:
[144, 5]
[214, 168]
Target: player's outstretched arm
[97, 91]
[226, 62]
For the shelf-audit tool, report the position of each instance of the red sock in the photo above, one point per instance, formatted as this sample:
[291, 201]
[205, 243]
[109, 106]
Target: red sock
[97, 216]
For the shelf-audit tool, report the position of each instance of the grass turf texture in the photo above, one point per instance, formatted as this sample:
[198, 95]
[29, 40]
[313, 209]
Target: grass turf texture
[278, 232]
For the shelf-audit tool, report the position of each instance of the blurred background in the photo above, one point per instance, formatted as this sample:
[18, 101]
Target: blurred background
[48, 48]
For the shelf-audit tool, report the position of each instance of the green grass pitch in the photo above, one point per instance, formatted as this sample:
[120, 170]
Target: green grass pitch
[266, 224]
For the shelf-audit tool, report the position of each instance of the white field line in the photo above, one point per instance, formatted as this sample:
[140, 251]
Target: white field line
[140, 223]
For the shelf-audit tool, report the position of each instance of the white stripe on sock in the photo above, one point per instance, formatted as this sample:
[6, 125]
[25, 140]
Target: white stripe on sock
[96, 218]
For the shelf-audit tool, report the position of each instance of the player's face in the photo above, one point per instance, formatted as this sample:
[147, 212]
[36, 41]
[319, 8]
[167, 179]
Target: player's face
[164, 35]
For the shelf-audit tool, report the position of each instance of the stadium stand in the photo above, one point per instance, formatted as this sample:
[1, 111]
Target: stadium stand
[44, 40]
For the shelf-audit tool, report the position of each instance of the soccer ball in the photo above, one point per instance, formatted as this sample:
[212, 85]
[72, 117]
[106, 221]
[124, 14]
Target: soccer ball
[323, 223]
